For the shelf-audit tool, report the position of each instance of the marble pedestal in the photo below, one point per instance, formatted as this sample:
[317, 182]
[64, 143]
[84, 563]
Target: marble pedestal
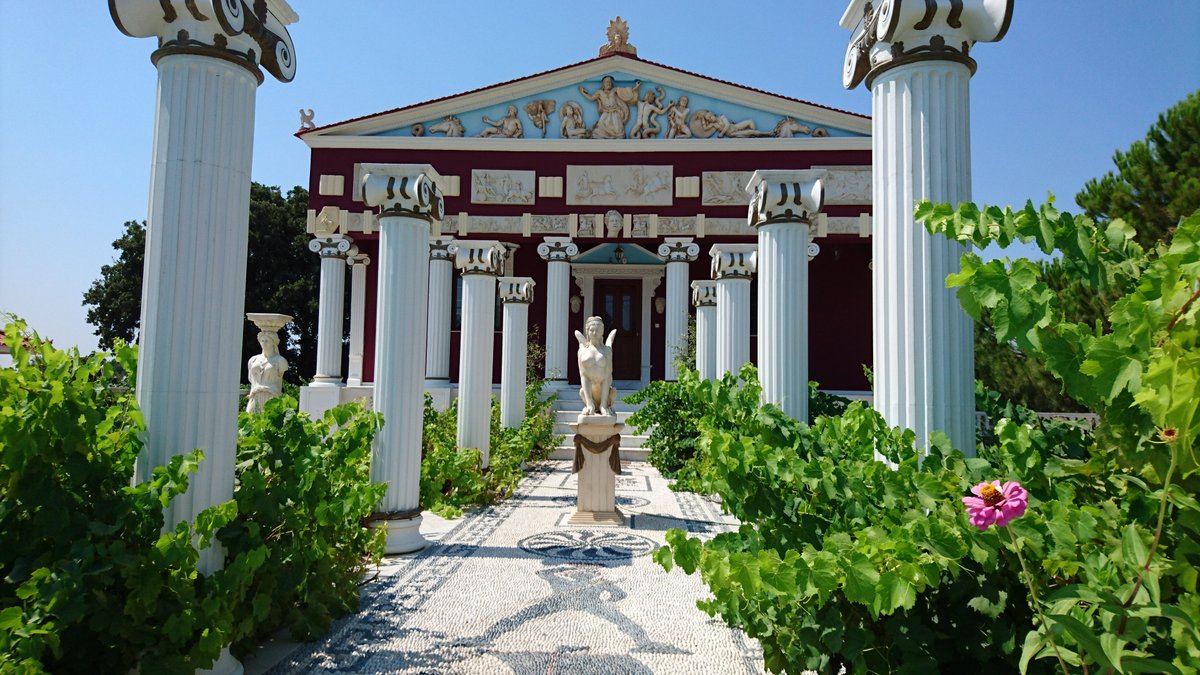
[596, 500]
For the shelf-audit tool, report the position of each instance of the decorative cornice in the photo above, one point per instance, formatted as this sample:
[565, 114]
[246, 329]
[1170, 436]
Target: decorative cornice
[333, 246]
[734, 261]
[678, 249]
[892, 33]
[557, 249]
[403, 190]
[785, 196]
[480, 257]
[248, 34]
[516, 289]
[704, 293]
[442, 248]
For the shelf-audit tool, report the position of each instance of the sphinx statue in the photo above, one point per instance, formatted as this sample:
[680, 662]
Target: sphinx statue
[595, 368]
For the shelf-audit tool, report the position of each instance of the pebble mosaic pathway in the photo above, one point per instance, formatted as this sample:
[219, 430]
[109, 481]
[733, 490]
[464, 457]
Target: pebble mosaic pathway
[514, 589]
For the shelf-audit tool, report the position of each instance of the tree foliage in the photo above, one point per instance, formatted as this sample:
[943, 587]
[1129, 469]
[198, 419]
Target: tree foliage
[282, 275]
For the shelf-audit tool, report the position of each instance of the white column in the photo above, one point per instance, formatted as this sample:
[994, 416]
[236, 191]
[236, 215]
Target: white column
[678, 252]
[783, 206]
[441, 300]
[704, 297]
[334, 249]
[480, 263]
[358, 314]
[516, 293]
[194, 286]
[557, 251]
[732, 267]
[915, 59]
[409, 200]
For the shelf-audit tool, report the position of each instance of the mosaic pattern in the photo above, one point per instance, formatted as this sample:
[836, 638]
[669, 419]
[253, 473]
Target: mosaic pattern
[587, 546]
[508, 589]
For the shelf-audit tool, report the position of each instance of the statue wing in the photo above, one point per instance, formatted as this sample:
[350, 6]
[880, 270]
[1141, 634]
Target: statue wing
[582, 339]
[612, 335]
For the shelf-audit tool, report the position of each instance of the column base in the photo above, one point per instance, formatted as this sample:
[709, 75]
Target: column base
[316, 399]
[612, 518]
[403, 536]
[326, 381]
[441, 391]
[226, 665]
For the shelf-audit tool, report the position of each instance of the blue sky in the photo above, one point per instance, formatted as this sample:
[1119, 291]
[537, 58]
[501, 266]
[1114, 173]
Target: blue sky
[1072, 82]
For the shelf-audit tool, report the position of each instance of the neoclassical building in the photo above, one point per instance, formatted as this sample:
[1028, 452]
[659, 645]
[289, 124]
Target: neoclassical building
[604, 188]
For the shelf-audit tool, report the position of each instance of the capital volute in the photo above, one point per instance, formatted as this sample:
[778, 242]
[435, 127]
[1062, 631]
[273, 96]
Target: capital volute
[480, 257]
[250, 34]
[813, 250]
[678, 249]
[557, 249]
[442, 248]
[516, 289]
[734, 261]
[704, 293]
[890, 33]
[785, 196]
[333, 246]
[403, 190]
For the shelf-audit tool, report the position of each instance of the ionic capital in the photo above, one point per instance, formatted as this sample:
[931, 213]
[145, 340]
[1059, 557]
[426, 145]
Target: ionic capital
[890, 33]
[403, 190]
[785, 196]
[250, 34]
[704, 293]
[679, 249]
[516, 289]
[813, 250]
[734, 261]
[358, 259]
[333, 246]
[480, 257]
[560, 249]
[442, 248]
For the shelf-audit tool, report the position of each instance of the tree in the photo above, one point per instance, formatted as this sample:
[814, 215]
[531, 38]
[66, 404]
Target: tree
[1156, 183]
[281, 276]
[1157, 180]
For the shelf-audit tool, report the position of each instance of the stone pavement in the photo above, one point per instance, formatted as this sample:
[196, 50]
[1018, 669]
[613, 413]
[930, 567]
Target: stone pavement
[514, 589]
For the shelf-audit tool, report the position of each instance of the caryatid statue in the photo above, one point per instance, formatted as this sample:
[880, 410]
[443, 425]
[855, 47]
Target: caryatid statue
[595, 368]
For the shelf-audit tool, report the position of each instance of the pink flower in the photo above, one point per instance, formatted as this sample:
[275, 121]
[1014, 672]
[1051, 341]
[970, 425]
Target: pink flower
[996, 504]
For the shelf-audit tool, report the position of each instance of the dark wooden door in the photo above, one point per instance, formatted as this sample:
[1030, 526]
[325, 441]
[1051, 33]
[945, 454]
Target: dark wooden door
[619, 303]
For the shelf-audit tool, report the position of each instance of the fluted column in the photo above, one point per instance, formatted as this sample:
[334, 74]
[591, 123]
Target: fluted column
[334, 250]
[516, 293]
[782, 207]
[678, 252]
[358, 314]
[915, 57]
[408, 199]
[441, 311]
[704, 297]
[480, 262]
[194, 286]
[732, 267]
[557, 251]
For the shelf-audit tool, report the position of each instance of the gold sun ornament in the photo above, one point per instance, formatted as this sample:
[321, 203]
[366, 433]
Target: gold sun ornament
[618, 38]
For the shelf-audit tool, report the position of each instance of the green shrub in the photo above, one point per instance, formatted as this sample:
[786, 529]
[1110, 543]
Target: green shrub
[855, 549]
[303, 492]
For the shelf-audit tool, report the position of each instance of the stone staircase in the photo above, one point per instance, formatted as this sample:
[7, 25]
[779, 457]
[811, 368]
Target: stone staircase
[568, 407]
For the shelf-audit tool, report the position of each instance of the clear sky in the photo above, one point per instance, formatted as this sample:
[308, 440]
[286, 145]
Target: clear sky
[1073, 81]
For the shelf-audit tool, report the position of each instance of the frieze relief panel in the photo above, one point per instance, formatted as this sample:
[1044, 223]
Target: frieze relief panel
[619, 185]
[724, 188]
[502, 187]
[847, 184]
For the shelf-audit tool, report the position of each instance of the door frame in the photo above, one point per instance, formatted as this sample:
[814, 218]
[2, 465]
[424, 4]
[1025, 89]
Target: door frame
[651, 276]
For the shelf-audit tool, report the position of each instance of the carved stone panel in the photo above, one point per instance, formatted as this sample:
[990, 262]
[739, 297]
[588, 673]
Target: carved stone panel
[724, 188]
[620, 185]
[502, 187]
[847, 184]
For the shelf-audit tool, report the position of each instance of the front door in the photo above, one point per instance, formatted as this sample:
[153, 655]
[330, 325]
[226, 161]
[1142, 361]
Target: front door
[619, 303]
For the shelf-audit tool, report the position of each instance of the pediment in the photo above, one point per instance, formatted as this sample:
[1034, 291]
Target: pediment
[605, 94]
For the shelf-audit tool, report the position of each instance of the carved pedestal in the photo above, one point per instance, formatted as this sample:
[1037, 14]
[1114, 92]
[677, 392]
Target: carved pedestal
[597, 461]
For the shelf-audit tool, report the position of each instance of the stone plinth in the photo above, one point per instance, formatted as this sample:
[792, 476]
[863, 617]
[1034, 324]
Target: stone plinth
[597, 461]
